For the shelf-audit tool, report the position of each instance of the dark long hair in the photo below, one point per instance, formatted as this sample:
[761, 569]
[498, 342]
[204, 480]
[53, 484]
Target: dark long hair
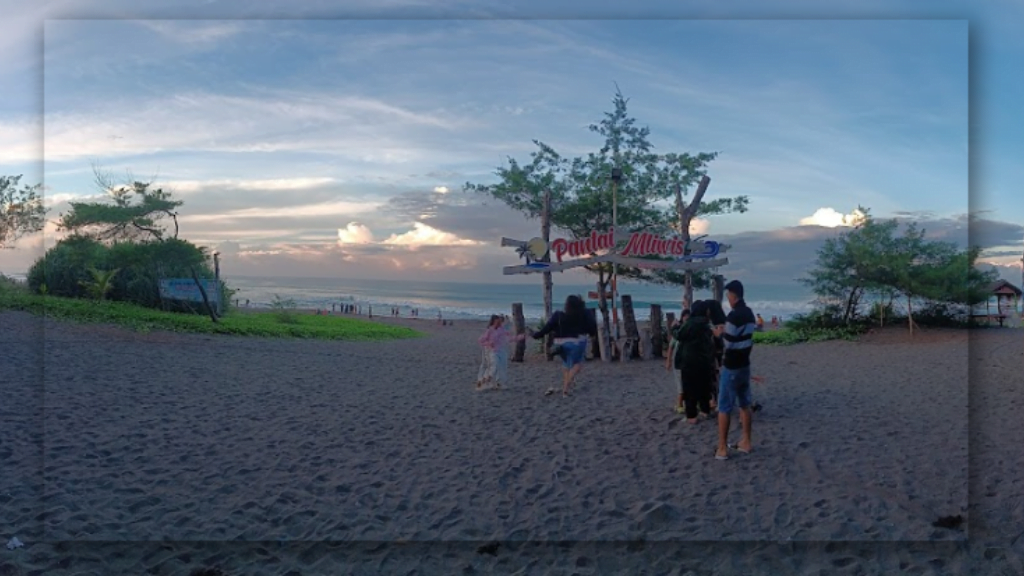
[575, 308]
[715, 312]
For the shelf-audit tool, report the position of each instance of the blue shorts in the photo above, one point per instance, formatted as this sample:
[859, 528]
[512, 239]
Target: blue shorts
[734, 389]
[575, 353]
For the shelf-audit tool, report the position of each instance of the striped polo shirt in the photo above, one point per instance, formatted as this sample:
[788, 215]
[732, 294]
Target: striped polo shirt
[739, 336]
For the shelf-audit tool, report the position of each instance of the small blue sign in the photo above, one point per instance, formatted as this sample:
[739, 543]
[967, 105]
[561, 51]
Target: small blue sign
[186, 289]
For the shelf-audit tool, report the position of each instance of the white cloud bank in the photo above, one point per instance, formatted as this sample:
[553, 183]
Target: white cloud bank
[830, 218]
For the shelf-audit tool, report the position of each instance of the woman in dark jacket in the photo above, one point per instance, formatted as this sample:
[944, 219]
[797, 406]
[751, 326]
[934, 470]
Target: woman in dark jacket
[571, 327]
[717, 316]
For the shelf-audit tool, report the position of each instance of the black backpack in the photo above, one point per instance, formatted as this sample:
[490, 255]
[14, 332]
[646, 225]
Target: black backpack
[696, 353]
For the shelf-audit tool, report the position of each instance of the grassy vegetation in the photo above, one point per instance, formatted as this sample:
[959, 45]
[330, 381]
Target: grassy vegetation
[14, 296]
[787, 336]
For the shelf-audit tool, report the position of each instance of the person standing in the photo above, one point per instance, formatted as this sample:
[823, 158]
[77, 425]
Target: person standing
[694, 357]
[734, 385]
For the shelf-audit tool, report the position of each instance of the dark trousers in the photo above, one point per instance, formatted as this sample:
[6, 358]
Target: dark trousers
[697, 393]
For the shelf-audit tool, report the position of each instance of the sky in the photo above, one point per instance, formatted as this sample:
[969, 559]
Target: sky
[336, 143]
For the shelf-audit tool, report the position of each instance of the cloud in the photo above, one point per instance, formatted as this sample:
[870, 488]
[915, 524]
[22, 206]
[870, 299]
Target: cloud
[192, 32]
[424, 235]
[270, 184]
[361, 128]
[830, 218]
[699, 226]
[354, 233]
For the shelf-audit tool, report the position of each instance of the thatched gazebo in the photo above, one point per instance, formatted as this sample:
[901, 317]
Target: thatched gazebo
[1004, 292]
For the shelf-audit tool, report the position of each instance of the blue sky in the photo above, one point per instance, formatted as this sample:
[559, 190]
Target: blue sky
[339, 147]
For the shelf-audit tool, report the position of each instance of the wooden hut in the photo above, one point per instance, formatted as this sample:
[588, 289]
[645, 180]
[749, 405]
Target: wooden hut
[1006, 295]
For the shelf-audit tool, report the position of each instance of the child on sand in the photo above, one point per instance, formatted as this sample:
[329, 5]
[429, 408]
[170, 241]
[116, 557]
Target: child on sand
[494, 365]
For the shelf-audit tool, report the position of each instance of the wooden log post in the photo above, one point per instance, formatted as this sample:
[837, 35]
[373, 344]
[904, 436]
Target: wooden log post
[520, 327]
[719, 286]
[595, 344]
[648, 344]
[202, 292]
[603, 332]
[632, 331]
[656, 332]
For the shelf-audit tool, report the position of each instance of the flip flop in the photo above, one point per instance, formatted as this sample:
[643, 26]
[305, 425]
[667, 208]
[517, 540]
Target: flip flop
[737, 448]
[549, 392]
[717, 457]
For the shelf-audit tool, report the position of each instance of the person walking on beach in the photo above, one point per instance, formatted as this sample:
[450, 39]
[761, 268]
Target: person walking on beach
[694, 358]
[494, 364]
[734, 385]
[571, 327]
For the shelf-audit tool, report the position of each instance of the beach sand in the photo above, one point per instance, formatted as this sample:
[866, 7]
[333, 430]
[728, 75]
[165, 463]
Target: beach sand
[156, 441]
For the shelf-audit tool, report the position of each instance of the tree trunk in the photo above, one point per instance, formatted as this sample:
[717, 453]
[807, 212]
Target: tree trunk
[719, 287]
[546, 235]
[520, 326]
[686, 215]
[632, 332]
[910, 315]
[849, 305]
[603, 333]
[656, 331]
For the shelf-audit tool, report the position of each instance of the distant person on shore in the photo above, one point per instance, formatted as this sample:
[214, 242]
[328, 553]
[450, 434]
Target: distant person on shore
[694, 358]
[734, 385]
[494, 364]
[760, 323]
[571, 327]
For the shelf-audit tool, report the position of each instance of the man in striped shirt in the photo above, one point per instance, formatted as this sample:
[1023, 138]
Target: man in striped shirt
[734, 384]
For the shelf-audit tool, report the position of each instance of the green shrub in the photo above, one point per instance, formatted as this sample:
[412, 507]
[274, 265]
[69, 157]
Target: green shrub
[65, 267]
[65, 270]
[284, 310]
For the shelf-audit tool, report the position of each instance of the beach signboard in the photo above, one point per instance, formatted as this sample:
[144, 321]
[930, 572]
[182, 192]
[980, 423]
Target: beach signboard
[186, 289]
[637, 249]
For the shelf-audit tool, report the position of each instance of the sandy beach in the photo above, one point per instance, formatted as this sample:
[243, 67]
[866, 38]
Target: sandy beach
[158, 453]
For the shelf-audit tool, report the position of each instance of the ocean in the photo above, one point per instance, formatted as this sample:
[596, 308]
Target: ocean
[478, 301]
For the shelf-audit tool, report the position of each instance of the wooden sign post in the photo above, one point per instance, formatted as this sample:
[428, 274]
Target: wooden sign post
[639, 249]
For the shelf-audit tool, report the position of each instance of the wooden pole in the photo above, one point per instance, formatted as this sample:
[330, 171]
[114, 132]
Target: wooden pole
[656, 331]
[603, 334]
[615, 268]
[202, 292]
[520, 325]
[718, 282]
[216, 282]
[632, 332]
[545, 229]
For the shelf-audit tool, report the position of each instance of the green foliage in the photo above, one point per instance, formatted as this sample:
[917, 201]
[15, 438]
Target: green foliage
[284, 310]
[101, 283]
[581, 191]
[65, 269]
[8, 284]
[788, 336]
[870, 258]
[239, 324]
[21, 209]
[133, 215]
